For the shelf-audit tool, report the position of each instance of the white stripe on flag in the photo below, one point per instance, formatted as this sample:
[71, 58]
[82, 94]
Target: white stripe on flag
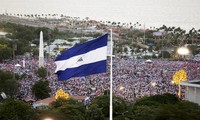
[76, 61]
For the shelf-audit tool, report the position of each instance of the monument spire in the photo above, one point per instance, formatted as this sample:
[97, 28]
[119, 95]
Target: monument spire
[41, 51]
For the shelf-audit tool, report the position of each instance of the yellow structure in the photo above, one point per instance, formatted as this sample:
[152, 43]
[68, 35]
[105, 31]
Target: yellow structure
[178, 77]
[61, 94]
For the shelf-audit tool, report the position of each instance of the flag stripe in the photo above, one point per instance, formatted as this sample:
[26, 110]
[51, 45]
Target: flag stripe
[89, 57]
[83, 48]
[94, 68]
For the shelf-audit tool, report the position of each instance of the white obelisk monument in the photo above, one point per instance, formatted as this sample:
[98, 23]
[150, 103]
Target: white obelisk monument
[41, 51]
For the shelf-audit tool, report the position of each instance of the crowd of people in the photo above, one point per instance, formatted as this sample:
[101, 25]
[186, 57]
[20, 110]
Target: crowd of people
[132, 78]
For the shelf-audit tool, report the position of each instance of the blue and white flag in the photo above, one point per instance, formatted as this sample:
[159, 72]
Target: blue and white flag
[83, 59]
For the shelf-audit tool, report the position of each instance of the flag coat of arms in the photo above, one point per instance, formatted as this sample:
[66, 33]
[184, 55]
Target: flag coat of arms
[83, 59]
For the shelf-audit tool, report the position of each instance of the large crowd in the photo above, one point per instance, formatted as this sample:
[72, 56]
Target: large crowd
[132, 78]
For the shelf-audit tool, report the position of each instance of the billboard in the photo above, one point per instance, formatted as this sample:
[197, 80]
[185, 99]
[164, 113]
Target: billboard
[157, 34]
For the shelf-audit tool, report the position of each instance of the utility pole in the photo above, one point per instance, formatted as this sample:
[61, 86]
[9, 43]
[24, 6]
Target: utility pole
[144, 40]
[144, 33]
[14, 49]
[162, 48]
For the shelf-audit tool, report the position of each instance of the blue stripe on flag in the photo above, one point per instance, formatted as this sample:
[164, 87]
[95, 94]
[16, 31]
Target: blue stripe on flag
[84, 70]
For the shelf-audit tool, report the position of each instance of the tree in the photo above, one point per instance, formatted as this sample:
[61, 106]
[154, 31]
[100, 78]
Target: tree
[8, 85]
[59, 102]
[157, 100]
[164, 107]
[41, 89]
[165, 54]
[125, 50]
[72, 111]
[35, 52]
[102, 102]
[180, 111]
[16, 110]
[22, 47]
[42, 72]
[5, 52]
[94, 113]
[194, 49]
[106, 92]
[143, 113]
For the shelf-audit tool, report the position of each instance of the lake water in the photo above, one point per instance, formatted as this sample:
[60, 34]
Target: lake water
[152, 13]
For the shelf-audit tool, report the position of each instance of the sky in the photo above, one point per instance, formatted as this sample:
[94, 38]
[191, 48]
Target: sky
[183, 13]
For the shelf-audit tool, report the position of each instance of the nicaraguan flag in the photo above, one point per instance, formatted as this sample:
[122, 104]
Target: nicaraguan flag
[83, 59]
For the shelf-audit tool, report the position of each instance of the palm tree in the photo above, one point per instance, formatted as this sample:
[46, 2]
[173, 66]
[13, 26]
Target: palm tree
[61, 15]
[192, 34]
[87, 18]
[118, 23]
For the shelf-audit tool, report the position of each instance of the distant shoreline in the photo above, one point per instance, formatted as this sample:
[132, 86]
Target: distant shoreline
[136, 25]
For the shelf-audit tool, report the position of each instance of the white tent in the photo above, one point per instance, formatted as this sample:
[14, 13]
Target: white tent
[17, 65]
[148, 61]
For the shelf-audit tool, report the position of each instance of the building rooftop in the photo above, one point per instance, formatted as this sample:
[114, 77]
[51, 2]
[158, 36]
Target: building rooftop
[49, 100]
[193, 83]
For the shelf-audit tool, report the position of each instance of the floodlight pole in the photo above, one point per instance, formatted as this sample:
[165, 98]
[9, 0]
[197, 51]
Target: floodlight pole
[179, 89]
[111, 50]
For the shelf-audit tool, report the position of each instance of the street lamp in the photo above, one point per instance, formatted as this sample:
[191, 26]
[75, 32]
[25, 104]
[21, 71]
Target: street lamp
[153, 84]
[48, 118]
[172, 82]
[121, 88]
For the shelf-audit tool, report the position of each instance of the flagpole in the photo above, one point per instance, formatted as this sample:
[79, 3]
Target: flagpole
[111, 50]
